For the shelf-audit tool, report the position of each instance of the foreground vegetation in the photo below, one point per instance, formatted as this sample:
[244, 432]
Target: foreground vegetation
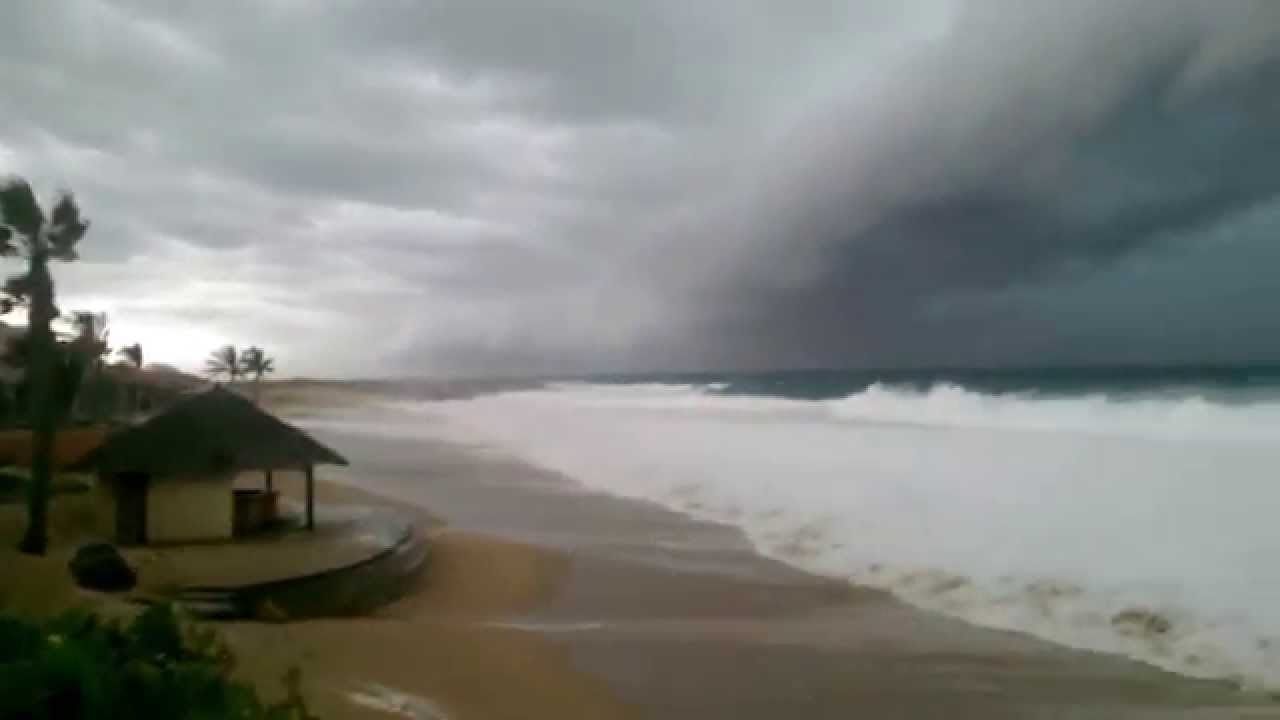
[77, 665]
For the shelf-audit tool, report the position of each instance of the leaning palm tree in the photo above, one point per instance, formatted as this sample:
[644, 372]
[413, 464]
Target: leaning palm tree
[223, 361]
[255, 363]
[27, 232]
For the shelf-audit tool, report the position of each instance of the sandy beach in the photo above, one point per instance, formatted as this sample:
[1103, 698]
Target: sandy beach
[545, 600]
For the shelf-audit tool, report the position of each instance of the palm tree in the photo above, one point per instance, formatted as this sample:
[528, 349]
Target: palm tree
[90, 340]
[223, 361]
[254, 362]
[25, 231]
[132, 354]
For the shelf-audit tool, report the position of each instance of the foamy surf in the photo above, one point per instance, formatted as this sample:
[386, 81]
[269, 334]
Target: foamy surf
[549, 628]
[394, 702]
[1144, 528]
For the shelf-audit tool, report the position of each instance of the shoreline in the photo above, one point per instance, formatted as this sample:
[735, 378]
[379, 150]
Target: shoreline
[545, 599]
[503, 628]
[683, 618]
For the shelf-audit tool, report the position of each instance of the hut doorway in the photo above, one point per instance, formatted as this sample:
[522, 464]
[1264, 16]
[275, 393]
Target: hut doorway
[131, 508]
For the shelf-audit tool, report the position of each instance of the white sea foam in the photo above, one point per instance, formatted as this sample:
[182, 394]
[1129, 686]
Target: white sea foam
[550, 627]
[394, 702]
[1146, 527]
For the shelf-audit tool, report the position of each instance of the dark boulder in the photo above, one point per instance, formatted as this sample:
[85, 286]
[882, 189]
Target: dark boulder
[101, 567]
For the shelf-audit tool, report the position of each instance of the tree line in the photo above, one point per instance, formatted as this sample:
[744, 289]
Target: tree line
[60, 366]
[252, 362]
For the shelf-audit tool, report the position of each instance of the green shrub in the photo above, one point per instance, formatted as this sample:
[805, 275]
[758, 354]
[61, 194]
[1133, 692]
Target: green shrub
[80, 666]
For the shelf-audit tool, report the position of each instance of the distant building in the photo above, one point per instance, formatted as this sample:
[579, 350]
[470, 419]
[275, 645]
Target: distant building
[171, 478]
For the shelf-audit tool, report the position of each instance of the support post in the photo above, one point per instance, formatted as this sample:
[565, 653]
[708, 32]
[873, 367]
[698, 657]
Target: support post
[311, 497]
[270, 486]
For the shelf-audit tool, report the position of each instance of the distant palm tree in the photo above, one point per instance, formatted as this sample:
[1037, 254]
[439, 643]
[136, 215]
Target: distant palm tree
[254, 362]
[27, 232]
[90, 341]
[223, 361]
[132, 354]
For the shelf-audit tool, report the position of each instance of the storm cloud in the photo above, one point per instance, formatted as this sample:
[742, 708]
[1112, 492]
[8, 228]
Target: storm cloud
[493, 186]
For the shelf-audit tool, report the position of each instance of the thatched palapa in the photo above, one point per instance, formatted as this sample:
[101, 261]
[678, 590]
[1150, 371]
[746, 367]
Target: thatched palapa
[171, 477]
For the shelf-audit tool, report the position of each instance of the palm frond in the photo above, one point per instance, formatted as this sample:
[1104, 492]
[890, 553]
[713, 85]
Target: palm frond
[18, 286]
[223, 361]
[20, 210]
[7, 248]
[67, 228]
[254, 361]
[66, 213]
[132, 354]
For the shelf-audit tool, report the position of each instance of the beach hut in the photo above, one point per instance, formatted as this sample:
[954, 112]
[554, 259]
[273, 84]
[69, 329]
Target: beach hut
[172, 478]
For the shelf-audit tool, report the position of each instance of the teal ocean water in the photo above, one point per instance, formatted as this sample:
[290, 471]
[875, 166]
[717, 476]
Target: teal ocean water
[1228, 383]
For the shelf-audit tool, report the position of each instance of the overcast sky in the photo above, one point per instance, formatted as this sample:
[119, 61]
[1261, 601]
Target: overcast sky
[425, 187]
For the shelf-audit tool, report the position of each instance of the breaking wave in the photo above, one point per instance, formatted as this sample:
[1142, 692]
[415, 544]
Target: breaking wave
[1144, 526]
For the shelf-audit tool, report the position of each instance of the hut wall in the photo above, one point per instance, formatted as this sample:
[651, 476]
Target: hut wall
[186, 509]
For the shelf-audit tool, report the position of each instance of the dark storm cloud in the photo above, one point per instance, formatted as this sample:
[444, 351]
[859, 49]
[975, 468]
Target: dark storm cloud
[1046, 144]
[564, 185]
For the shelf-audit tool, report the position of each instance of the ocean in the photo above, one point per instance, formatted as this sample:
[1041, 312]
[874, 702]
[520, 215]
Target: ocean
[1125, 510]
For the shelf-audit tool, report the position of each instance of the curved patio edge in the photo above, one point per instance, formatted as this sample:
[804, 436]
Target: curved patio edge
[352, 589]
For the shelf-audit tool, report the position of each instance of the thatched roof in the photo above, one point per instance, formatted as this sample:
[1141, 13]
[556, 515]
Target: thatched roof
[215, 430]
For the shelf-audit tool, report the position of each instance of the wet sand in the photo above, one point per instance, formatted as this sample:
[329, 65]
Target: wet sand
[666, 617]
[434, 654]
